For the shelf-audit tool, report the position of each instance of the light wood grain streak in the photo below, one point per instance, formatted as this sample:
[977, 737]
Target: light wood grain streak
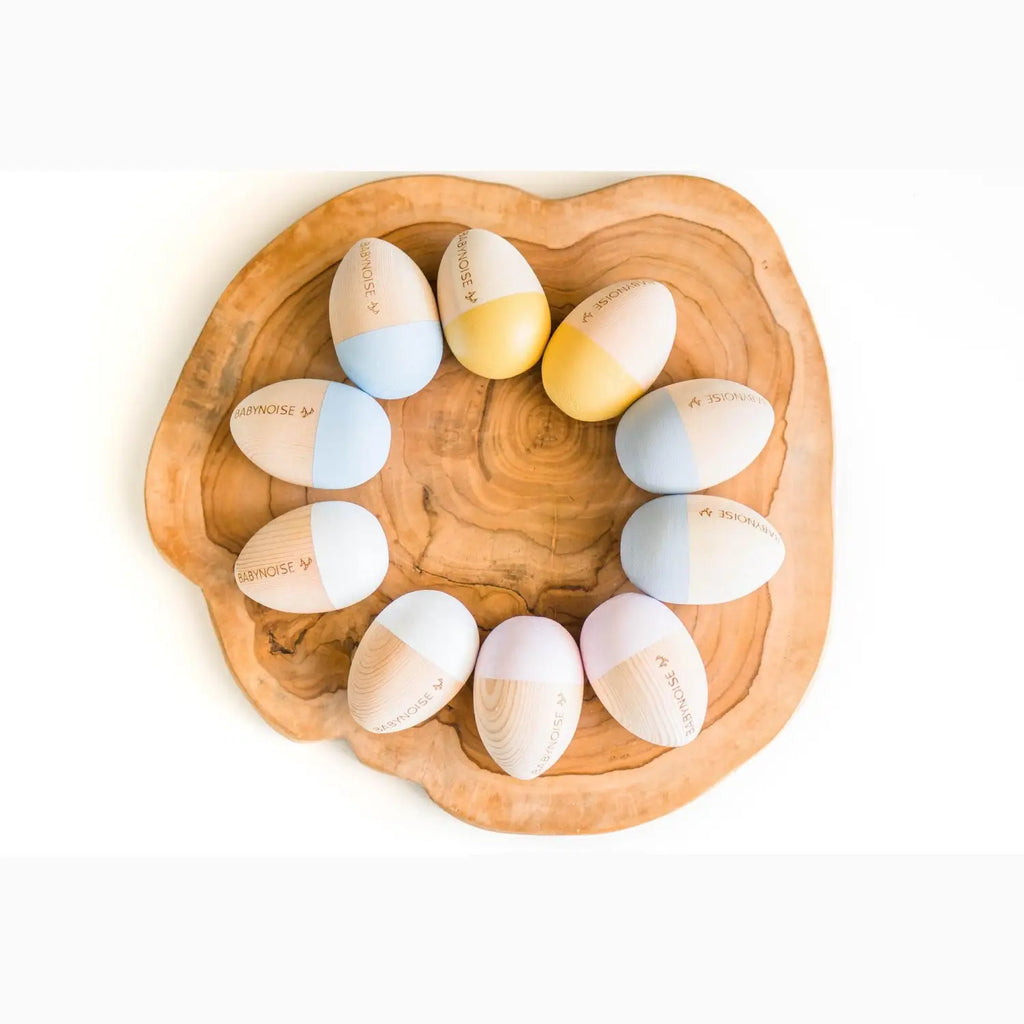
[393, 680]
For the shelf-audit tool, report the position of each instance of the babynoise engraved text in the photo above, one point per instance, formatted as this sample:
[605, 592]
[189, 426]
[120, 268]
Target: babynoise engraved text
[465, 273]
[410, 712]
[757, 524]
[678, 695]
[727, 396]
[273, 409]
[268, 572]
[366, 274]
[740, 517]
[556, 731]
[614, 294]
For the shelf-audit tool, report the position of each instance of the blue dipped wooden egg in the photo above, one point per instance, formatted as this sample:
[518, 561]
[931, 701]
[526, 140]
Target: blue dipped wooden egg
[384, 321]
[699, 549]
[692, 435]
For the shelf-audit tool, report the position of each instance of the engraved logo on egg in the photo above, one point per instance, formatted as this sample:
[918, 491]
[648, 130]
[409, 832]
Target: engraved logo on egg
[678, 694]
[366, 273]
[465, 272]
[622, 289]
[739, 517]
[556, 732]
[715, 397]
[410, 712]
[266, 572]
[273, 409]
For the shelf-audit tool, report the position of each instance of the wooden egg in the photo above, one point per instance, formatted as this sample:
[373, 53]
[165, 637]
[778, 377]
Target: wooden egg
[416, 655]
[384, 321]
[645, 669]
[692, 435]
[494, 312]
[608, 351]
[315, 558]
[316, 433]
[527, 694]
[698, 549]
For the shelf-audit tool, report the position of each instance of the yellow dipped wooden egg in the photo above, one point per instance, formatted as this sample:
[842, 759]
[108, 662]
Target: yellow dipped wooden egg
[416, 655]
[610, 349]
[493, 309]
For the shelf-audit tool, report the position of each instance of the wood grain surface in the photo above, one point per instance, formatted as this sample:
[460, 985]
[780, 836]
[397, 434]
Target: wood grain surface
[493, 495]
[657, 693]
[391, 683]
[276, 428]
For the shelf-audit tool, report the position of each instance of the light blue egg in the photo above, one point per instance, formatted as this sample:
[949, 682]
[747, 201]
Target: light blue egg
[393, 362]
[350, 548]
[653, 447]
[692, 435]
[655, 549]
[699, 549]
[311, 432]
[353, 438]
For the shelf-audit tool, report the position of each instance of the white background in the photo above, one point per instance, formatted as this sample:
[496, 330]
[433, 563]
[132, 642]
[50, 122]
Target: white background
[150, 155]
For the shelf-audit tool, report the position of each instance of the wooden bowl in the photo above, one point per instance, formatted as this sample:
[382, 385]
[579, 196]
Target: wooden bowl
[493, 495]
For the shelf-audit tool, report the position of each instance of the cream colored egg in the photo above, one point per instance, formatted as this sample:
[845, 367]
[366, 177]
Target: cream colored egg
[692, 435]
[316, 558]
[645, 669]
[610, 349]
[493, 309]
[384, 320]
[316, 433]
[699, 549]
[527, 694]
[416, 655]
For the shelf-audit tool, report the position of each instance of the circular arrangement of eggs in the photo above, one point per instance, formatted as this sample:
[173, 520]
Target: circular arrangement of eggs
[679, 548]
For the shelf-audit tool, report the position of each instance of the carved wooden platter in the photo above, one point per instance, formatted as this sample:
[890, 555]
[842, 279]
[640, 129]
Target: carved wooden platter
[493, 495]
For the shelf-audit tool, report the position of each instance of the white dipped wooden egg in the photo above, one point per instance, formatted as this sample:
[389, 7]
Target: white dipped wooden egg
[494, 311]
[527, 694]
[692, 435]
[610, 349]
[699, 549]
[316, 558]
[315, 433]
[384, 320]
[415, 656]
[645, 669]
